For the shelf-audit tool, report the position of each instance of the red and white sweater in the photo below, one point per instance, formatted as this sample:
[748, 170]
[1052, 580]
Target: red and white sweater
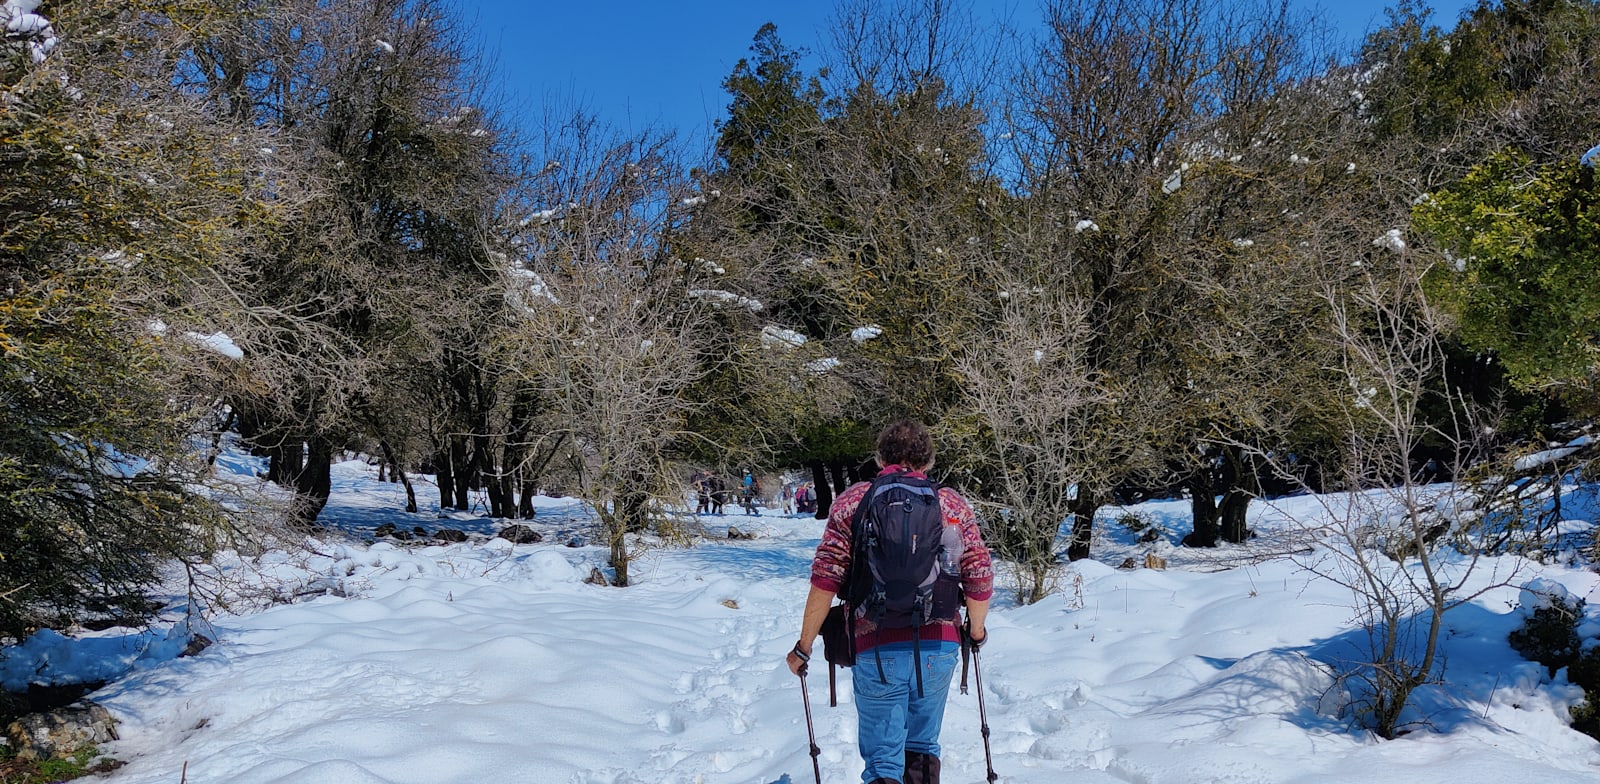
[832, 562]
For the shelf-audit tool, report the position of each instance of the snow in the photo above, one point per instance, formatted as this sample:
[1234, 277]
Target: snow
[1588, 157]
[1391, 239]
[1173, 182]
[1529, 462]
[18, 20]
[778, 337]
[217, 343]
[486, 661]
[865, 333]
[526, 281]
[727, 298]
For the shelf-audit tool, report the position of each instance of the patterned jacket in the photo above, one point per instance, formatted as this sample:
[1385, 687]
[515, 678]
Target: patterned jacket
[832, 562]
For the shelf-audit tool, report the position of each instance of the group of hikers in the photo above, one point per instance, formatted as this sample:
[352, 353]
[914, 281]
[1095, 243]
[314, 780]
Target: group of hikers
[711, 494]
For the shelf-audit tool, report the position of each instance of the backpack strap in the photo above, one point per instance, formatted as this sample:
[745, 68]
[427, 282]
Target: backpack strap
[858, 551]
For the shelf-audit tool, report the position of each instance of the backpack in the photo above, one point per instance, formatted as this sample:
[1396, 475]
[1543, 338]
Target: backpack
[905, 565]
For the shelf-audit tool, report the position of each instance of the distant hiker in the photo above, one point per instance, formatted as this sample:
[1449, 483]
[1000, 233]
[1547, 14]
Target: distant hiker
[749, 487]
[904, 660]
[805, 499]
[719, 493]
[702, 492]
[786, 495]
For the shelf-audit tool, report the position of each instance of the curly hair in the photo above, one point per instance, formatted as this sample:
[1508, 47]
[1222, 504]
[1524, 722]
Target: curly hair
[907, 443]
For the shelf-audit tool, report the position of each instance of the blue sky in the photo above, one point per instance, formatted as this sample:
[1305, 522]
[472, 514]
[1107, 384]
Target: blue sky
[639, 63]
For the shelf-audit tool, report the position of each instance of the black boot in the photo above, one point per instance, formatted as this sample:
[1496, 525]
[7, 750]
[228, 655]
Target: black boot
[883, 781]
[921, 768]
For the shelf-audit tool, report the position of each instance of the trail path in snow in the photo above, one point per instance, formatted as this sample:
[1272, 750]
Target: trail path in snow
[487, 662]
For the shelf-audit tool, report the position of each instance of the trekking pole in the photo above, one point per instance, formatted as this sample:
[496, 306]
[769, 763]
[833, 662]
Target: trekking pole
[811, 731]
[983, 716]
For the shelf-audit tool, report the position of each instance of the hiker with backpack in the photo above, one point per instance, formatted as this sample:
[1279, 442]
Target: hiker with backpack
[702, 491]
[719, 493]
[750, 488]
[904, 553]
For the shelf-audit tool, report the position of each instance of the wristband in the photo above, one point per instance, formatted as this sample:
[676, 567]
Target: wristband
[804, 657]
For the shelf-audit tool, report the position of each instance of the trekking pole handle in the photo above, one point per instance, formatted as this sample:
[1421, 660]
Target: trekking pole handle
[805, 660]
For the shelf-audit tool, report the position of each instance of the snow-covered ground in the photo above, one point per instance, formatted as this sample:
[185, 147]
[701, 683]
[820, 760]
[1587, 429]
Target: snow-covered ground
[488, 662]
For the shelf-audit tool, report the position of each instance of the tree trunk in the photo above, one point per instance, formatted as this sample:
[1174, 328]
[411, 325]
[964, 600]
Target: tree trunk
[285, 461]
[277, 471]
[483, 466]
[1238, 480]
[510, 474]
[619, 559]
[463, 472]
[525, 509]
[482, 469]
[633, 508]
[313, 485]
[841, 477]
[399, 475]
[1203, 506]
[1235, 503]
[445, 474]
[819, 482]
[1083, 508]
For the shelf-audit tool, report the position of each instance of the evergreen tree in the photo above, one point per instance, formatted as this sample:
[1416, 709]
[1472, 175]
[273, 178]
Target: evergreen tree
[863, 211]
[1523, 269]
[116, 196]
[367, 300]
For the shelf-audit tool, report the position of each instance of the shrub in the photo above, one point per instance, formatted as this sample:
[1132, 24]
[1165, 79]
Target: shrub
[1550, 637]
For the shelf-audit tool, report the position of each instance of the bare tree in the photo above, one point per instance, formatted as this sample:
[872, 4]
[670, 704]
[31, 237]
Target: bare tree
[897, 47]
[1407, 551]
[1033, 399]
[610, 329]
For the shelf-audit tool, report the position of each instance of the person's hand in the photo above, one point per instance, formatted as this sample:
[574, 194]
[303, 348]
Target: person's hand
[977, 637]
[797, 659]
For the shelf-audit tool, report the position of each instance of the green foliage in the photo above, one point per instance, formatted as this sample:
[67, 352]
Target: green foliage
[1585, 672]
[1525, 285]
[91, 463]
[80, 763]
[1550, 637]
[840, 212]
[773, 102]
[114, 197]
[1431, 79]
[1517, 71]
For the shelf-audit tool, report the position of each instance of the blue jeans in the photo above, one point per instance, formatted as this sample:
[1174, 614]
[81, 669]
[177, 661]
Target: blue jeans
[892, 718]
